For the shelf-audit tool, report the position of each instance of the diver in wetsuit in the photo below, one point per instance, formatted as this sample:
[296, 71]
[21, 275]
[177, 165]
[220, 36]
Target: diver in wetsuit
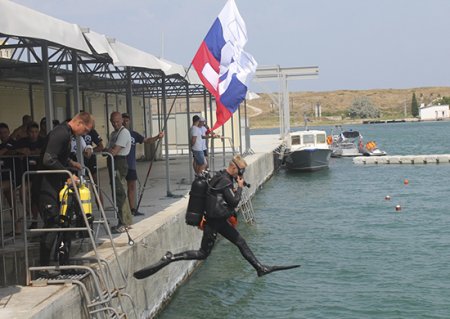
[220, 187]
[55, 155]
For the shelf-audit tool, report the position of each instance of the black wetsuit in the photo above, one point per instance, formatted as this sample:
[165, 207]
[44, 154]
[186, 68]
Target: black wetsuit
[213, 226]
[221, 226]
[54, 156]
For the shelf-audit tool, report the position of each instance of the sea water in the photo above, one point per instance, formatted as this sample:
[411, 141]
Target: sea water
[360, 257]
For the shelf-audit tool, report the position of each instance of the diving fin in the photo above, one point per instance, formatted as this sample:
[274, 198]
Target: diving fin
[150, 270]
[268, 269]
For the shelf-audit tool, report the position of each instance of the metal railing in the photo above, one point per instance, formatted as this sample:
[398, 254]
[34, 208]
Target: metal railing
[96, 185]
[103, 298]
[5, 209]
[16, 164]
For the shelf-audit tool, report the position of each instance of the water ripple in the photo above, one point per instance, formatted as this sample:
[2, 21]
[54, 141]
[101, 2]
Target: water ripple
[360, 258]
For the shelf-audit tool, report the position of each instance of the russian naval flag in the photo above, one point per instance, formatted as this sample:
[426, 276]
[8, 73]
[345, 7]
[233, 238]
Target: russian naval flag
[222, 64]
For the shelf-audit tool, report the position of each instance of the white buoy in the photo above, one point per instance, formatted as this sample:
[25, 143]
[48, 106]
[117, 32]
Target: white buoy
[398, 208]
[387, 197]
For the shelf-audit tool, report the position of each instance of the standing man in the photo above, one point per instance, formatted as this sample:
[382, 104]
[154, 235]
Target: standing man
[93, 138]
[90, 159]
[205, 136]
[55, 156]
[131, 160]
[199, 163]
[119, 146]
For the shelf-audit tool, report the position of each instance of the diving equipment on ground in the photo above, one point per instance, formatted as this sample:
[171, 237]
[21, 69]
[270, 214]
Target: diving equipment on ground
[70, 215]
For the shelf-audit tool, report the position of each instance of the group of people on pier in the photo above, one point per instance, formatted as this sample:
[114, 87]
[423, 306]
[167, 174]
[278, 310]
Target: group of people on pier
[57, 151]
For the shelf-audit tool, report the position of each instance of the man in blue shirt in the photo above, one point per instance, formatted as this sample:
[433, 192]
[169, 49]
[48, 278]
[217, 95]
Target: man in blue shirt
[131, 158]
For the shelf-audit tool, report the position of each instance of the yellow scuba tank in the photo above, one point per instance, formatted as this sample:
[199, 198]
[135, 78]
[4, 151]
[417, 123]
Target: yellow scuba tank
[66, 198]
[63, 199]
[85, 196]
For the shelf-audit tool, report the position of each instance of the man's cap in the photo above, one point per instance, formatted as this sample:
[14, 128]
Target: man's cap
[202, 119]
[126, 115]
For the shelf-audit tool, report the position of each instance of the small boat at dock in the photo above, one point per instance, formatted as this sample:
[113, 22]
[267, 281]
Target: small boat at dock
[306, 150]
[370, 149]
[350, 144]
[345, 144]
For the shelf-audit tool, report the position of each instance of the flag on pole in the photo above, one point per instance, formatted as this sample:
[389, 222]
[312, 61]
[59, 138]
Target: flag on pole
[222, 64]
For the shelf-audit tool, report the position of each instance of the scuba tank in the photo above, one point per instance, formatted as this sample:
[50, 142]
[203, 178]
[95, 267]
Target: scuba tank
[70, 216]
[64, 200]
[69, 203]
[197, 200]
[85, 196]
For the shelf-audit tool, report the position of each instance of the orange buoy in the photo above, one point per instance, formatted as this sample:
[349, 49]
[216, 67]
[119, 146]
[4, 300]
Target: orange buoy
[387, 197]
[406, 182]
[398, 208]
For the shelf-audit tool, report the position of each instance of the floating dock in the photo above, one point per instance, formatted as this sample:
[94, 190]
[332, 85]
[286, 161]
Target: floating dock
[403, 159]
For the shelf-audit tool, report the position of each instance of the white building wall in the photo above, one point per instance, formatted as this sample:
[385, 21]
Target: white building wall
[434, 112]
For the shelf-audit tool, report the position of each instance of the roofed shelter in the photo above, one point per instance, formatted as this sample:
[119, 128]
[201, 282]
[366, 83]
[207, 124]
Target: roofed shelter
[57, 62]
[52, 68]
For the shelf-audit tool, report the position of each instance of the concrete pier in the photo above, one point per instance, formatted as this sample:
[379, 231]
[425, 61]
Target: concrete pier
[403, 159]
[163, 228]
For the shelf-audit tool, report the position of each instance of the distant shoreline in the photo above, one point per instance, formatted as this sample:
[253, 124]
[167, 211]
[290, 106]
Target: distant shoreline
[349, 122]
[393, 104]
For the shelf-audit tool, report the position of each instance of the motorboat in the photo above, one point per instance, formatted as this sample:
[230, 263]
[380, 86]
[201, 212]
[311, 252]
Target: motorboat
[345, 144]
[306, 150]
[350, 144]
[370, 149]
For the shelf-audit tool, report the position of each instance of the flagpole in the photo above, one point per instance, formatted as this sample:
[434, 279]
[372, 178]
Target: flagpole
[142, 188]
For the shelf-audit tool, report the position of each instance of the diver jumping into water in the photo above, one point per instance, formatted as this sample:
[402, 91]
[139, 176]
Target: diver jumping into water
[221, 201]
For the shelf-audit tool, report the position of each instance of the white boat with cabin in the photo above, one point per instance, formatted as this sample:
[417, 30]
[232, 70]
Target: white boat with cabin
[306, 150]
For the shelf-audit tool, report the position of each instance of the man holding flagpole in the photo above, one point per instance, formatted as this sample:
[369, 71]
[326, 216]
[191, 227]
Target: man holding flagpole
[225, 70]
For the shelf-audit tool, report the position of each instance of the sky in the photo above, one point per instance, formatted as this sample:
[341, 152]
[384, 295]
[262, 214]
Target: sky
[357, 44]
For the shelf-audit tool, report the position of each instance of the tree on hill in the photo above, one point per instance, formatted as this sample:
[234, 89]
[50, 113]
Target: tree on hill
[414, 106]
[362, 107]
[443, 100]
